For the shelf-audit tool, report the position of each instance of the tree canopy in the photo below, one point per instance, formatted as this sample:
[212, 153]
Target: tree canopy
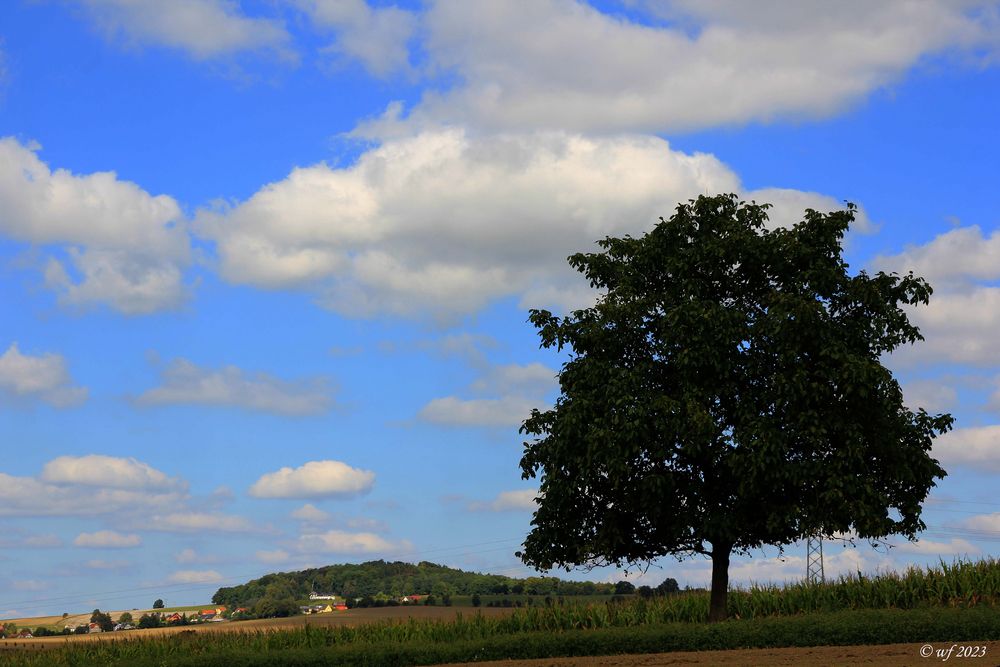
[394, 579]
[726, 392]
[102, 619]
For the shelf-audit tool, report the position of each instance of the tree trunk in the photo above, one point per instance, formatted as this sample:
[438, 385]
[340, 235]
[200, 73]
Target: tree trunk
[720, 583]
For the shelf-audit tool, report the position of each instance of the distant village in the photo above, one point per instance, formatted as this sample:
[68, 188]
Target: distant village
[320, 603]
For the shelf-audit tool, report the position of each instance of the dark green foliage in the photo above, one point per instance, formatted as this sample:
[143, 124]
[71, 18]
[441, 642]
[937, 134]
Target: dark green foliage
[103, 620]
[158, 604]
[275, 607]
[624, 588]
[726, 393]
[476, 600]
[668, 586]
[395, 579]
[149, 621]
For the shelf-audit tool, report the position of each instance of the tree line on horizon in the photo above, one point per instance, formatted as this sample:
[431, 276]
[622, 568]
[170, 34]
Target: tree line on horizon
[380, 578]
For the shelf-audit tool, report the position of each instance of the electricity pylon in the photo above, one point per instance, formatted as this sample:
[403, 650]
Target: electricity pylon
[814, 560]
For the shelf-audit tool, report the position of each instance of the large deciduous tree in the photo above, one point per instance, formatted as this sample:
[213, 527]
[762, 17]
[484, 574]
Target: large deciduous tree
[726, 392]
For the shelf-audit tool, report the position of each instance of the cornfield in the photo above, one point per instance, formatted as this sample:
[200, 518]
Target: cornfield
[961, 584]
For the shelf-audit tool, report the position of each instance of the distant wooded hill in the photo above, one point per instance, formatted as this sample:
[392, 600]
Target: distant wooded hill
[381, 579]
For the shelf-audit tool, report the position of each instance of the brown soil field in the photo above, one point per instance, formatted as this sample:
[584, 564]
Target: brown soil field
[889, 655]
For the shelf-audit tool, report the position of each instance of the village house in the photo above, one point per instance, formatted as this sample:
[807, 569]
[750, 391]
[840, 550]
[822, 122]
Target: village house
[321, 596]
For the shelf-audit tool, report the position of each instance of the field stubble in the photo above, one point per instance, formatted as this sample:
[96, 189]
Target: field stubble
[350, 618]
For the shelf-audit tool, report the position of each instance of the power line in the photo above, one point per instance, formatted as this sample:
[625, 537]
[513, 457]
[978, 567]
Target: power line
[188, 586]
[35, 603]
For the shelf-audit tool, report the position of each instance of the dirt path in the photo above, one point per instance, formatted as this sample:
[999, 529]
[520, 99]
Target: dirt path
[890, 655]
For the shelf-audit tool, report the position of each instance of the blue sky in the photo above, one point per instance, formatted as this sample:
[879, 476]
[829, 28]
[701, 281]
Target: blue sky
[265, 266]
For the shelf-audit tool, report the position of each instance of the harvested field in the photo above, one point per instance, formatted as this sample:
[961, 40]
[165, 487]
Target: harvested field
[57, 622]
[349, 618]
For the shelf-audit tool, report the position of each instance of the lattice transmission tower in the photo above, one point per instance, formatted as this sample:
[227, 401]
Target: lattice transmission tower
[814, 560]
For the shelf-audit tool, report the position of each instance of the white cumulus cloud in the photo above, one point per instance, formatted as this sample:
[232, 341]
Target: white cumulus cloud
[43, 377]
[28, 496]
[186, 383]
[931, 395]
[107, 539]
[508, 501]
[454, 411]
[342, 542]
[958, 327]
[954, 547]
[837, 561]
[375, 36]
[107, 471]
[110, 565]
[520, 387]
[963, 266]
[533, 378]
[202, 28]
[445, 221]
[974, 446]
[189, 555]
[566, 64]
[186, 556]
[128, 247]
[988, 523]
[959, 255]
[197, 522]
[315, 479]
[310, 512]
